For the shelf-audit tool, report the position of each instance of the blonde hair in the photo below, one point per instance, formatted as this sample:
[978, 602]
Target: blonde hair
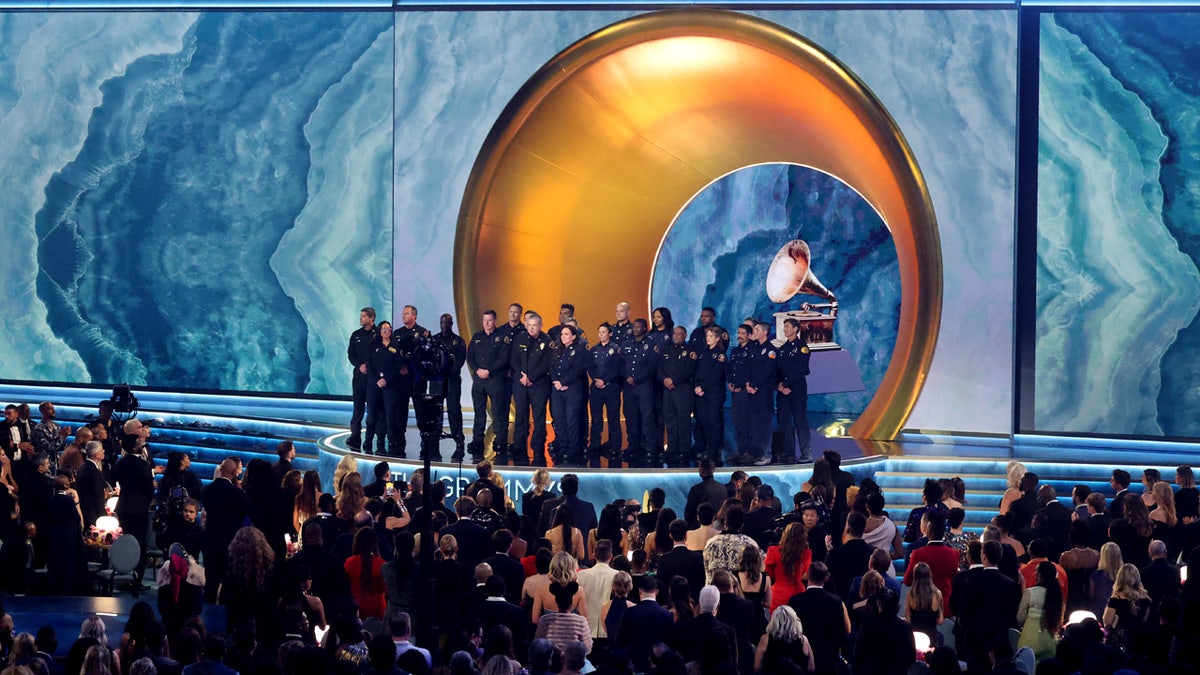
[448, 545]
[541, 481]
[562, 568]
[347, 465]
[872, 583]
[1015, 471]
[1164, 496]
[93, 627]
[1129, 583]
[1110, 559]
[785, 625]
[622, 583]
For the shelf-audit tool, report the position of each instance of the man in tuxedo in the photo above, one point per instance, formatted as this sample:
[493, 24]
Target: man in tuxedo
[1120, 484]
[974, 567]
[1020, 513]
[1057, 524]
[474, 541]
[737, 613]
[825, 619]
[226, 508]
[679, 561]
[760, 520]
[1098, 520]
[705, 637]
[853, 558]
[505, 566]
[644, 625]
[90, 484]
[707, 490]
[584, 512]
[135, 478]
[494, 610]
[989, 602]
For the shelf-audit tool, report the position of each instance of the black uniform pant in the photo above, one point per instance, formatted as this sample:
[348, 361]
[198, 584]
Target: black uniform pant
[759, 406]
[710, 423]
[400, 423]
[677, 411]
[493, 390]
[530, 402]
[454, 405]
[639, 419]
[359, 394]
[565, 407]
[383, 420]
[793, 422]
[660, 418]
[605, 404]
[740, 411]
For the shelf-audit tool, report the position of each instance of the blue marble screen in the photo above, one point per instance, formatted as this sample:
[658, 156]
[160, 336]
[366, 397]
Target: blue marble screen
[194, 200]
[720, 246]
[1118, 289]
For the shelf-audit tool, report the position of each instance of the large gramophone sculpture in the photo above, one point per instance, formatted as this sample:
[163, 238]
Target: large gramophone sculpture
[833, 368]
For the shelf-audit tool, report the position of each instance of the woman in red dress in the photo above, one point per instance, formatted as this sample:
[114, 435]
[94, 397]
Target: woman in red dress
[787, 564]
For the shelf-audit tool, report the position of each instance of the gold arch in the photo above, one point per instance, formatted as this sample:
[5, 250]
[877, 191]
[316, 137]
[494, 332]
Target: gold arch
[587, 166]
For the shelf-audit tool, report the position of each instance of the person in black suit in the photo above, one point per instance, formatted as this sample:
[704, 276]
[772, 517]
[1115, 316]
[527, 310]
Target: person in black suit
[584, 512]
[825, 619]
[226, 509]
[90, 483]
[1057, 527]
[739, 614]
[287, 452]
[474, 541]
[644, 625]
[135, 478]
[495, 610]
[707, 490]
[989, 602]
[1020, 513]
[852, 558]
[1098, 520]
[679, 561]
[1120, 484]
[842, 480]
[974, 567]
[1160, 578]
[707, 639]
[759, 524]
[329, 580]
[505, 566]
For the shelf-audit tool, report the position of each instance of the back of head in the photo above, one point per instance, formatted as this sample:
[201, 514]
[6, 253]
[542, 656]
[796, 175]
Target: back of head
[710, 599]
[818, 573]
[706, 468]
[541, 654]
[569, 485]
[856, 524]
[574, 656]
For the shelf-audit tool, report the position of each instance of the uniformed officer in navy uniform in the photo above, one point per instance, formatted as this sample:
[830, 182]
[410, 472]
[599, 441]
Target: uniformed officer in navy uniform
[362, 343]
[409, 336]
[738, 373]
[639, 366]
[566, 394]
[513, 328]
[605, 395]
[709, 390]
[698, 341]
[676, 370]
[487, 360]
[458, 351]
[383, 400]
[530, 362]
[622, 330]
[760, 390]
[659, 335]
[792, 396]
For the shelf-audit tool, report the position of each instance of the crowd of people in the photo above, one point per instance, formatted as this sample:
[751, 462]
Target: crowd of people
[669, 385]
[317, 577]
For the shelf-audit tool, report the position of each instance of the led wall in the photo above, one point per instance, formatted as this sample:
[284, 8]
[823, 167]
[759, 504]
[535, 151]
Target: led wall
[204, 200]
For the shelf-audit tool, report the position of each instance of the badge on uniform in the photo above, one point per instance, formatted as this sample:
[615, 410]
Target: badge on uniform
[507, 339]
[721, 358]
[771, 354]
[693, 355]
[611, 351]
[541, 345]
[392, 350]
[804, 350]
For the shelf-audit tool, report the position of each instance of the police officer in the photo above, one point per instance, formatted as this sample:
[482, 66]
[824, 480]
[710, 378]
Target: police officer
[566, 396]
[709, 390]
[605, 395]
[659, 335]
[676, 370]
[792, 396]
[384, 387]
[738, 373]
[622, 330]
[639, 366]
[408, 336]
[487, 360]
[362, 343]
[530, 363]
[458, 351]
[760, 388]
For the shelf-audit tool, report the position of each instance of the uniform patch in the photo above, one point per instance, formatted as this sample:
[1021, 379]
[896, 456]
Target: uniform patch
[392, 350]
[770, 355]
[693, 355]
[804, 350]
[611, 351]
[721, 358]
[541, 345]
[507, 339]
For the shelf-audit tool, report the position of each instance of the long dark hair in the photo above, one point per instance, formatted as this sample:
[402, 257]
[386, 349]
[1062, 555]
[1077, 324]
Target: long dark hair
[609, 527]
[366, 546]
[1052, 609]
[662, 531]
[668, 322]
[565, 517]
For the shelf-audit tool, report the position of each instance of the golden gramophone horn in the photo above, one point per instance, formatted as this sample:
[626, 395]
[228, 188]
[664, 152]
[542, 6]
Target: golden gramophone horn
[791, 273]
[586, 168]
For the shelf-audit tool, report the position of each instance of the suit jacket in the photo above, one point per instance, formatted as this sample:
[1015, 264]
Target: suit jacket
[1057, 528]
[227, 508]
[474, 543]
[643, 625]
[706, 637]
[512, 571]
[492, 612]
[1161, 579]
[851, 559]
[758, 525]
[89, 483]
[1116, 507]
[584, 512]
[989, 603]
[707, 490]
[738, 613]
[822, 615]
[679, 561]
[1020, 514]
[136, 480]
